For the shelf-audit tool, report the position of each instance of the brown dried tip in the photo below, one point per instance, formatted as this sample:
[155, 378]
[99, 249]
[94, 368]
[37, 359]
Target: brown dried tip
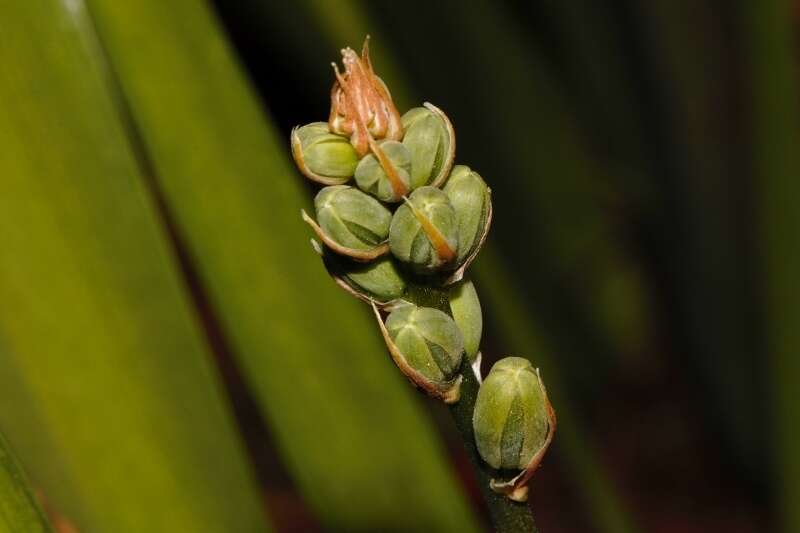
[361, 106]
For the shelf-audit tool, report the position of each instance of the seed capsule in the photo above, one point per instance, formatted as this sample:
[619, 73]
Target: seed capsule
[322, 156]
[471, 200]
[424, 232]
[378, 282]
[351, 223]
[466, 310]
[430, 138]
[427, 346]
[513, 422]
[386, 172]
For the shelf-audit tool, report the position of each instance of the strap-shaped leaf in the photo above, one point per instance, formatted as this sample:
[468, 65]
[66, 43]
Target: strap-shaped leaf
[19, 510]
[352, 435]
[769, 31]
[105, 381]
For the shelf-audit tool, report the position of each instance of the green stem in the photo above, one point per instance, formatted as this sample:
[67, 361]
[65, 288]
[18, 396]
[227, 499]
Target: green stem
[507, 516]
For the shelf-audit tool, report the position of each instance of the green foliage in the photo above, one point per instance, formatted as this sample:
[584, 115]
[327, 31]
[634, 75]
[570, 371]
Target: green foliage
[105, 375]
[771, 51]
[144, 190]
[345, 423]
[19, 510]
[107, 386]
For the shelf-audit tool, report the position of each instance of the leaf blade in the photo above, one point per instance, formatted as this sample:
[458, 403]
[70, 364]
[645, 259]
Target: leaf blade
[105, 374]
[338, 408]
[19, 510]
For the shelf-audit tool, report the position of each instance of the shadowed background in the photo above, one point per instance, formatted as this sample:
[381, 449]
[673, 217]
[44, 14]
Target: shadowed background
[174, 358]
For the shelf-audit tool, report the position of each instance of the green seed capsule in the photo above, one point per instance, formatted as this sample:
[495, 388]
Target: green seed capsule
[428, 340]
[424, 232]
[351, 218]
[428, 136]
[512, 418]
[471, 200]
[386, 184]
[323, 156]
[378, 280]
[466, 310]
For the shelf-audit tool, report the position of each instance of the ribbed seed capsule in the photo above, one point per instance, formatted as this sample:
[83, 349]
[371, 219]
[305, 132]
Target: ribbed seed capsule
[352, 222]
[323, 156]
[513, 421]
[466, 310]
[386, 175]
[471, 200]
[427, 346]
[377, 281]
[430, 139]
[424, 232]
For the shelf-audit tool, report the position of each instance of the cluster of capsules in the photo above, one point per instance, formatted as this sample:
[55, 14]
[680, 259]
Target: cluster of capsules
[412, 220]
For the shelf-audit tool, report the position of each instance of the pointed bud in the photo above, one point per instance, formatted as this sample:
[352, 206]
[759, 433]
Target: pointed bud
[466, 310]
[424, 232]
[427, 346]
[471, 200]
[430, 138]
[385, 173]
[513, 422]
[322, 156]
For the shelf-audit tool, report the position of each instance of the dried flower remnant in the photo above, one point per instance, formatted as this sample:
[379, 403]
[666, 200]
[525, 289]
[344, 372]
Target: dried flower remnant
[361, 106]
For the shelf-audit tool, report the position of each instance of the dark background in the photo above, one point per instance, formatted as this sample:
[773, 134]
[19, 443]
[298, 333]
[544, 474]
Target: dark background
[620, 140]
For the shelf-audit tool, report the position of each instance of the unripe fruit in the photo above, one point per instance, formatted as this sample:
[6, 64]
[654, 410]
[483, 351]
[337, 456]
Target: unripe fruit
[385, 175]
[424, 233]
[378, 280]
[427, 346]
[471, 200]
[323, 156]
[511, 418]
[351, 222]
[430, 139]
[466, 310]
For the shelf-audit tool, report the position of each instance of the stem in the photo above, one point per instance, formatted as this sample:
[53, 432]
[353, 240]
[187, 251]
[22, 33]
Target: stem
[507, 516]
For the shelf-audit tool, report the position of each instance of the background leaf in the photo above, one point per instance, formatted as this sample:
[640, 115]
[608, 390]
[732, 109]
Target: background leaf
[346, 423]
[772, 68]
[643, 161]
[107, 387]
[19, 510]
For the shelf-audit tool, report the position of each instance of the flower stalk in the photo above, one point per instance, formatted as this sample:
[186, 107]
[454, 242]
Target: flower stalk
[402, 240]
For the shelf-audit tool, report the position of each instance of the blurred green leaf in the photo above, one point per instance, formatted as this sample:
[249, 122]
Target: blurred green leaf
[701, 249]
[345, 421]
[770, 46]
[107, 387]
[19, 510]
